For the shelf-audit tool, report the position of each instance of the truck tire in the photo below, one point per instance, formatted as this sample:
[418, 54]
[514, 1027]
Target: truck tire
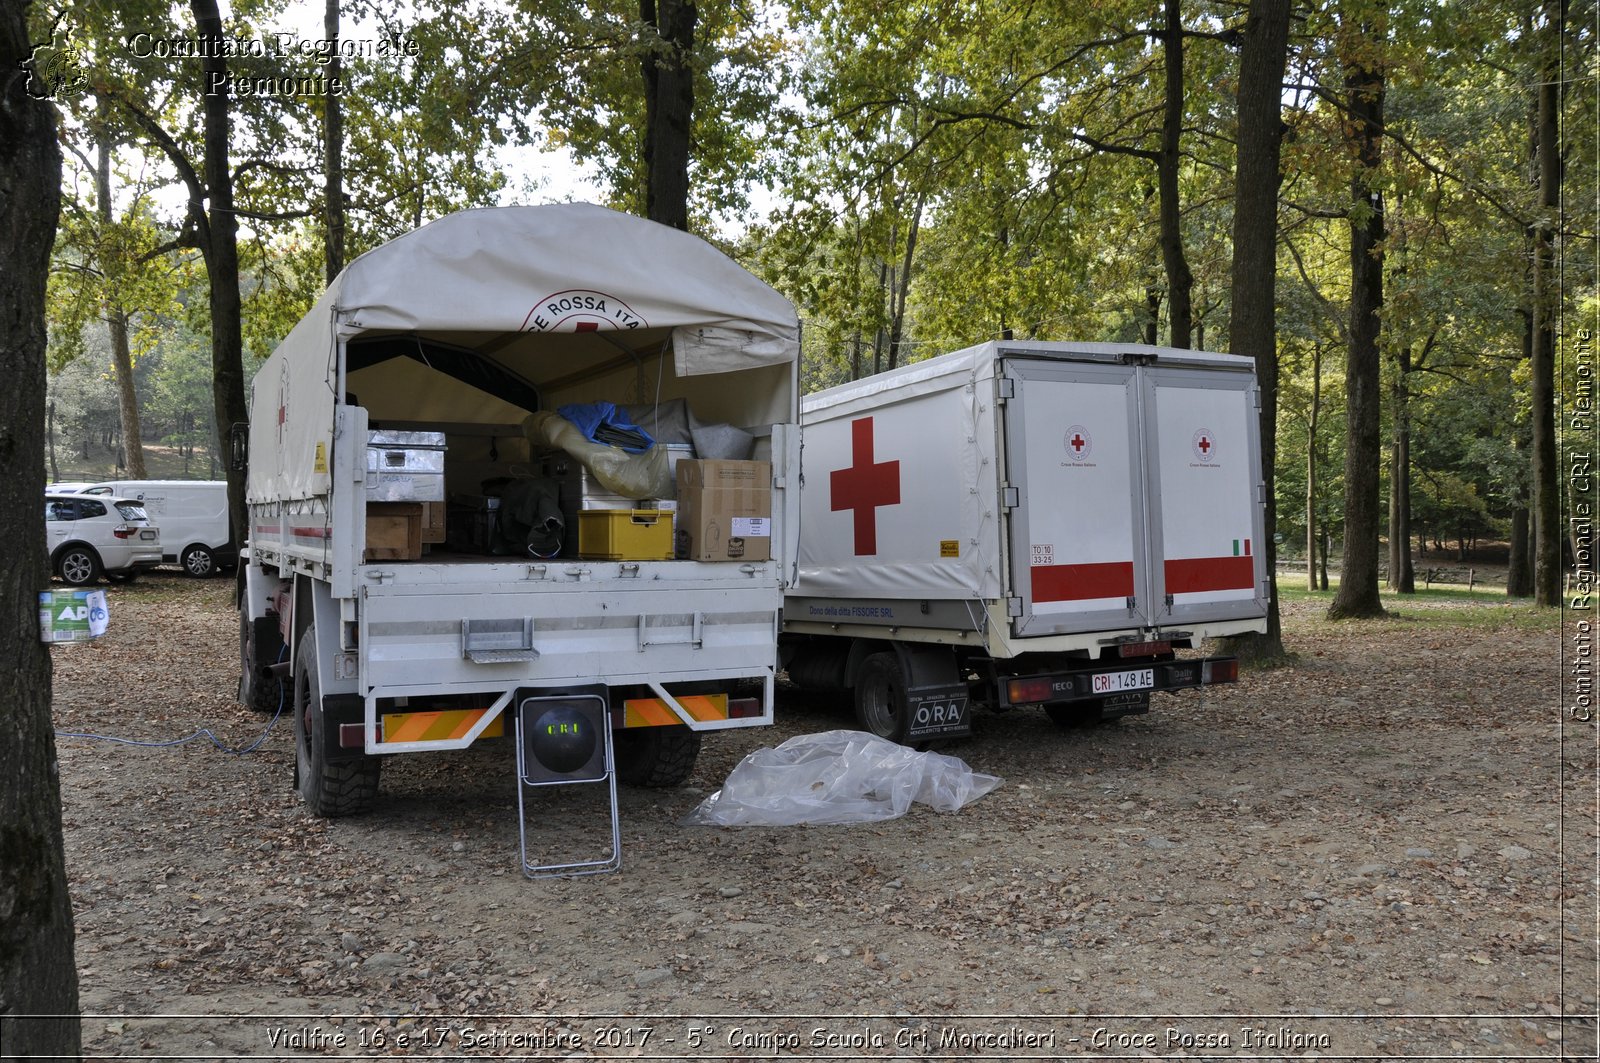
[257, 692]
[198, 561]
[880, 696]
[78, 566]
[655, 756]
[330, 790]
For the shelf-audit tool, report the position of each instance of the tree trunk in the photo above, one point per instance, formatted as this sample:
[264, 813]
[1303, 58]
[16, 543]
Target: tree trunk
[333, 152]
[50, 437]
[1152, 314]
[1180, 282]
[1255, 260]
[1519, 569]
[1365, 85]
[38, 974]
[1547, 531]
[902, 289]
[668, 108]
[1402, 574]
[1311, 468]
[115, 316]
[221, 251]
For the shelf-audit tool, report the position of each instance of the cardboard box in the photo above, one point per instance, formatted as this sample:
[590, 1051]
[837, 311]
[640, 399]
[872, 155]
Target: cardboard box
[394, 531]
[724, 510]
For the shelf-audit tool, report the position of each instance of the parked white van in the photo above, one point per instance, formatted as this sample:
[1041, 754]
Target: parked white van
[192, 515]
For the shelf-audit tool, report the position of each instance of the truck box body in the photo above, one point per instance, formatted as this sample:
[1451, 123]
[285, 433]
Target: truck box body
[1028, 498]
[428, 354]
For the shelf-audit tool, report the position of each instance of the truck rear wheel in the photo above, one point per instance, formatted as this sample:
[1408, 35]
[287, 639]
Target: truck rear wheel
[330, 789]
[880, 692]
[257, 691]
[655, 756]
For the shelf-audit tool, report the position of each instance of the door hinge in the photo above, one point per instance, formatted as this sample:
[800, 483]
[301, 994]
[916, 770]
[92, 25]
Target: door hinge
[1009, 498]
[1013, 607]
[1169, 602]
[1133, 603]
[1006, 388]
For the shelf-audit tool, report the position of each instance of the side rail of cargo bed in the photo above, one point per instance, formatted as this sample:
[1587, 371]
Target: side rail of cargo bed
[465, 640]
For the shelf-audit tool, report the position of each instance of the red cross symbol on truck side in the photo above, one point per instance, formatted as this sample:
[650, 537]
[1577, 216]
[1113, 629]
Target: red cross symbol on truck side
[864, 486]
[1077, 442]
[1205, 445]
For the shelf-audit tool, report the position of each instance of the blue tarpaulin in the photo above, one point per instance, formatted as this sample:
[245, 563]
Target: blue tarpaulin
[603, 423]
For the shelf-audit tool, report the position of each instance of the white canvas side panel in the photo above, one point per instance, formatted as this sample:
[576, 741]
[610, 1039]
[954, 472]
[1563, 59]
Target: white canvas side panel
[1204, 464]
[1077, 532]
[291, 413]
[900, 494]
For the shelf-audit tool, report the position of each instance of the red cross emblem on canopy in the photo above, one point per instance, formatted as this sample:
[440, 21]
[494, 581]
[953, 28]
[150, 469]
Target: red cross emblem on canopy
[1204, 443]
[864, 486]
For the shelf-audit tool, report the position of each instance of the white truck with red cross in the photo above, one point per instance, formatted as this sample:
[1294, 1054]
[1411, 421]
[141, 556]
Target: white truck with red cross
[1027, 524]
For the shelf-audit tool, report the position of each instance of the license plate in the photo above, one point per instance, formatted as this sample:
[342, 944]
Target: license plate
[147, 535]
[1113, 682]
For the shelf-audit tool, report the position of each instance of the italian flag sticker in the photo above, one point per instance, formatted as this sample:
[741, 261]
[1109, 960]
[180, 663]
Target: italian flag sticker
[1236, 544]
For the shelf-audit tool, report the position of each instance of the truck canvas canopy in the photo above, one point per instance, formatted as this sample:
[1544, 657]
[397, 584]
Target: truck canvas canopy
[484, 316]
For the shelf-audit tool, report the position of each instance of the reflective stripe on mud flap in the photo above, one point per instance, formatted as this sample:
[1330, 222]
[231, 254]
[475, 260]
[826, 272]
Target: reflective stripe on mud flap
[653, 712]
[437, 726]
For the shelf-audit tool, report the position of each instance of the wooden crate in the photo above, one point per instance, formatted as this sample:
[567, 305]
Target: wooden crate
[394, 531]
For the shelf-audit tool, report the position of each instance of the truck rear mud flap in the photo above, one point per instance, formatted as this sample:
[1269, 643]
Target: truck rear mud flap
[1124, 687]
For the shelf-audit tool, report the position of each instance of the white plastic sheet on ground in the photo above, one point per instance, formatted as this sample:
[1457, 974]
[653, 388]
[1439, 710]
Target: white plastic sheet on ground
[838, 777]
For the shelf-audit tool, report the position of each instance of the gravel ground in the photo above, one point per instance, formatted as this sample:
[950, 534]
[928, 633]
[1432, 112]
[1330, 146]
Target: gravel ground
[1384, 850]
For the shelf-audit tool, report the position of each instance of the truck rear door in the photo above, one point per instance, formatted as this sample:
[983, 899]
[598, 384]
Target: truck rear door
[1202, 463]
[1077, 508]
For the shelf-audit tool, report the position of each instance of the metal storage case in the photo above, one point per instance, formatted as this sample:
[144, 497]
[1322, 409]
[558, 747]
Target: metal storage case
[405, 466]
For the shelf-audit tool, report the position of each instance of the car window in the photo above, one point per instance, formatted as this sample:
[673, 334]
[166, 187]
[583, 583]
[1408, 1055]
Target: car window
[88, 507]
[97, 490]
[132, 511]
[58, 511]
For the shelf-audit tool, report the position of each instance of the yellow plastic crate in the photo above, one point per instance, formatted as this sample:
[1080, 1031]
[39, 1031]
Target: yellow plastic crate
[625, 534]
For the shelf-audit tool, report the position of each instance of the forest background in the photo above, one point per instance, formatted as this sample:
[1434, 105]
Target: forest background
[917, 180]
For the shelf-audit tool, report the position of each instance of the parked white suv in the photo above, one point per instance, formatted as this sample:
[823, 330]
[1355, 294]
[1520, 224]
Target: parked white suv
[93, 536]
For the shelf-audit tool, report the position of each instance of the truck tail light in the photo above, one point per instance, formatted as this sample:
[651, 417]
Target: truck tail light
[744, 708]
[1220, 672]
[1026, 691]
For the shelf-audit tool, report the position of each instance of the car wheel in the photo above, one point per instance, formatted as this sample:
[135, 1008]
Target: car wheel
[78, 566]
[199, 562]
[880, 691]
[330, 789]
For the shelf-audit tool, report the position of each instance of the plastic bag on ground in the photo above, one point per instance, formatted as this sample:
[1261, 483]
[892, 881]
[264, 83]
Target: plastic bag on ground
[838, 777]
